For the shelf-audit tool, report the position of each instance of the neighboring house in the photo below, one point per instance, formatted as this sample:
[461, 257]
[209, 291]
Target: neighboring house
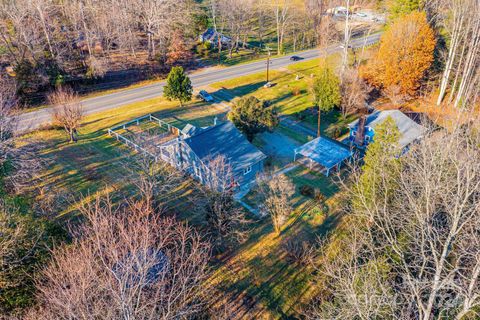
[194, 149]
[362, 131]
[211, 36]
[337, 11]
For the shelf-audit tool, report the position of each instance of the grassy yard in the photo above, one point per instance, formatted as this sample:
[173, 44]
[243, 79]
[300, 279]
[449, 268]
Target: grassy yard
[292, 98]
[288, 95]
[259, 278]
[98, 163]
[262, 274]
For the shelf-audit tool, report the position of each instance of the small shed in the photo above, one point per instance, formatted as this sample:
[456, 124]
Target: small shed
[324, 153]
[190, 130]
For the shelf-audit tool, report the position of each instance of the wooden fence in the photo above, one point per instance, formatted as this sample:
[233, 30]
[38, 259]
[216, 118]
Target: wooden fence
[162, 124]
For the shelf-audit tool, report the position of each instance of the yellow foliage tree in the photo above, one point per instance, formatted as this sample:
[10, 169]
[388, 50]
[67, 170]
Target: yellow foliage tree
[405, 54]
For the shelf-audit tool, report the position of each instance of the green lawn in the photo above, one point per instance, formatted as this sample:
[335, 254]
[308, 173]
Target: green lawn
[262, 271]
[259, 277]
[288, 95]
[98, 163]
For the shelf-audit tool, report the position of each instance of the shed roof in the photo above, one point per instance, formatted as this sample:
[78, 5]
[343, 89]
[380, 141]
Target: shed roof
[325, 151]
[190, 130]
[409, 129]
[225, 140]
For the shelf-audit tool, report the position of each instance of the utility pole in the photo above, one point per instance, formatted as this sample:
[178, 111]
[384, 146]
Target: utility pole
[318, 122]
[219, 47]
[268, 63]
[346, 41]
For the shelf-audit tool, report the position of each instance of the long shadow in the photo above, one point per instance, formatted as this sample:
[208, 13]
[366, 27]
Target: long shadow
[226, 95]
[281, 98]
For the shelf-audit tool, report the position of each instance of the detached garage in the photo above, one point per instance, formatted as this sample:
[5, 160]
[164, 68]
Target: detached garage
[323, 154]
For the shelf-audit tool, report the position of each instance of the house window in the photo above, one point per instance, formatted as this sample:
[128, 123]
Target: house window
[247, 170]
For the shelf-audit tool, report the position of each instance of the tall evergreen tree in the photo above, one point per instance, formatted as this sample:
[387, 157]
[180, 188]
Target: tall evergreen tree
[178, 87]
[326, 92]
[382, 153]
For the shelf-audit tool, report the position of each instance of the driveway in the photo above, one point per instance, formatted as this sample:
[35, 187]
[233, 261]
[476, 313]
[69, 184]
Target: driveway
[278, 146]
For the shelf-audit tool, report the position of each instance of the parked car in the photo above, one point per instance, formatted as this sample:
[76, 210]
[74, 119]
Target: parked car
[295, 58]
[268, 85]
[205, 96]
[361, 14]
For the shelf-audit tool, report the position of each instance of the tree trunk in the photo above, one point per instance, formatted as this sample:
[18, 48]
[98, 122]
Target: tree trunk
[149, 45]
[469, 66]
[318, 122]
[450, 59]
[346, 39]
[71, 133]
[45, 31]
[457, 73]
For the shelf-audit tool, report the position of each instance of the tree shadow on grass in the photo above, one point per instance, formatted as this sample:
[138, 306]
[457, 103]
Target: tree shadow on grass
[269, 282]
[226, 95]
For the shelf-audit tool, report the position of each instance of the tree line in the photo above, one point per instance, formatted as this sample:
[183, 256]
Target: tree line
[45, 42]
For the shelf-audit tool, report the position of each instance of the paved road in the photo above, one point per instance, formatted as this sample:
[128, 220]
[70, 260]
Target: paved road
[34, 119]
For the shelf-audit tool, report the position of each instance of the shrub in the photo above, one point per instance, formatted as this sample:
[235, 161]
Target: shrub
[319, 196]
[207, 45]
[296, 91]
[268, 162]
[307, 191]
[298, 251]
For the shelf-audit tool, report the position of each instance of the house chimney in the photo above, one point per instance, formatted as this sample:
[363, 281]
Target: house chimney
[360, 137]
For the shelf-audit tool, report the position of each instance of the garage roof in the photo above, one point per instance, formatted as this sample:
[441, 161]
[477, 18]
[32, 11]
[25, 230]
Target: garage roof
[325, 151]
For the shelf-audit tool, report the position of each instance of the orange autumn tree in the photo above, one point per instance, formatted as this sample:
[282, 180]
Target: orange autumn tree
[178, 50]
[405, 54]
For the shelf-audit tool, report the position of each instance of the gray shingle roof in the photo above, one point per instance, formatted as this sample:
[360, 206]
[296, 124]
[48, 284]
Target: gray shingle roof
[225, 140]
[325, 151]
[409, 129]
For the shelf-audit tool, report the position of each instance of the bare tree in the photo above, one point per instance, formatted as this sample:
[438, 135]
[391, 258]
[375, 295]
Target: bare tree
[24, 244]
[156, 181]
[16, 244]
[7, 119]
[411, 249]
[125, 263]
[354, 92]
[226, 220]
[237, 15]
[347, 34]
[67, 111]
[23, 161]
[461, 72]
[347, 267]
[282, 18]
[276, 192]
